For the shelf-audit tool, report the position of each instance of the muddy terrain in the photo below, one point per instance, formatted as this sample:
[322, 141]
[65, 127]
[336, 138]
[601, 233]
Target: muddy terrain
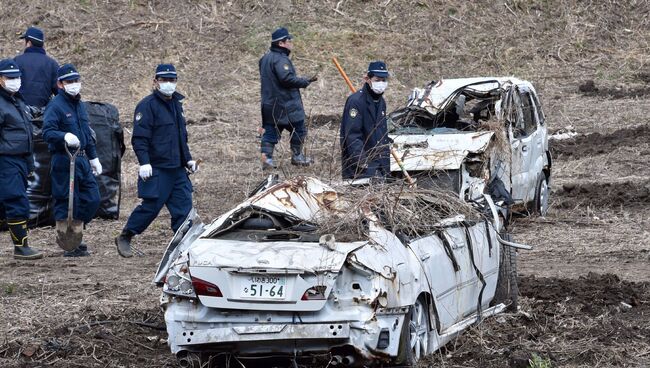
[585, 288]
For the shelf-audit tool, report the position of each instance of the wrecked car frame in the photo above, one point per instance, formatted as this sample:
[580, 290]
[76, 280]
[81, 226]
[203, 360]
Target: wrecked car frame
[475, 136]
[261, 281]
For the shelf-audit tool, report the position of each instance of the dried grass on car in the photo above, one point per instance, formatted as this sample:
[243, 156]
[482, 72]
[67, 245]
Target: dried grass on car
[410, 211]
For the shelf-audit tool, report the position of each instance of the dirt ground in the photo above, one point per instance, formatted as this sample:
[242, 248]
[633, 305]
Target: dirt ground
[585, 288]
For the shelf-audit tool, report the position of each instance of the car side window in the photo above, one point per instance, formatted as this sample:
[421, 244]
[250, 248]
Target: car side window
[530, 121]
[538, 107]
[526, 122]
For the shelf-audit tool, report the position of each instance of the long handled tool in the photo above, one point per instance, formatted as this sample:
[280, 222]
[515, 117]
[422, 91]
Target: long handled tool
[69, 232]
[408, 177]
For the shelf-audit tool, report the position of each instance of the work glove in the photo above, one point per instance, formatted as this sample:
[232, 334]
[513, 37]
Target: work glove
[145, 171]
[313, 79]
[192, 166]
[96, 166]
[71, 140]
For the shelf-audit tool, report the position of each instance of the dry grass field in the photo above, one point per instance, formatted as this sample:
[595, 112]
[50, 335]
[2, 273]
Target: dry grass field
[585, 288]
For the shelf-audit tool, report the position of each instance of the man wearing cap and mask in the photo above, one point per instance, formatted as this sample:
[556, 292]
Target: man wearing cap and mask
[160, 144]
[16, 160]
[65, 124]
[365, 150]
[39, 70]
[281, 102]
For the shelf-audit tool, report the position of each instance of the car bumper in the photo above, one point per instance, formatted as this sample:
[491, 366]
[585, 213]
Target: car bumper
[194, 327]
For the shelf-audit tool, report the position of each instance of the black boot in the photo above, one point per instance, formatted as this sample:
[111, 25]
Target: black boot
[123, 242]
[298, 158]
[267, 156]
[18, 231]
[80, 251]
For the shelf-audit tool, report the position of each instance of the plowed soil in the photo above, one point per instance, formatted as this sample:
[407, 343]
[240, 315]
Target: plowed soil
[585, 287]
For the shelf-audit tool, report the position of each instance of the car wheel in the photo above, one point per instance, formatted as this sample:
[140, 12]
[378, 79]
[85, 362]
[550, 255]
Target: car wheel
[414, 339]
[541, 196]
[507, 290]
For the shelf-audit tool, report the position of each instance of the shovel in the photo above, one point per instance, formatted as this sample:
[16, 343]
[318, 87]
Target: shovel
[69, 232]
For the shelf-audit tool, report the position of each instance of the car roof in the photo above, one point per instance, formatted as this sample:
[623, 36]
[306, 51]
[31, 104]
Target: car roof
[441, 91]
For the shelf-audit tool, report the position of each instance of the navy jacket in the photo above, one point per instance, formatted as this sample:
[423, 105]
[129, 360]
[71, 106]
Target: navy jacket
[38, 81]
[365, 148]
[160, 132]
[66, 114]
[15, 126]
[281, 101]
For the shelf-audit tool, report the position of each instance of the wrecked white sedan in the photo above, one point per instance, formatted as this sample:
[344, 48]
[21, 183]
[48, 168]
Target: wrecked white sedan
[476, 135]
[301, 273]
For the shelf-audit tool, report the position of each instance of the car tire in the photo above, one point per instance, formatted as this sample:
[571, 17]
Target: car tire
[414, 337]
[541, 196]
[507, 291]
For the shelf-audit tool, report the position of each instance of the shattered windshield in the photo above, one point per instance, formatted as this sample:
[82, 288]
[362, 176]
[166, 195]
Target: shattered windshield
[466, 109]
[259, 224]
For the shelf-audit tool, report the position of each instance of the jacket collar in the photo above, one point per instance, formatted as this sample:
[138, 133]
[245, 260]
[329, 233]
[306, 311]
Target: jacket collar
[371, 96]
[34, 49]
[281, 50]
[7, 96]
[71, 99]
[175, 96]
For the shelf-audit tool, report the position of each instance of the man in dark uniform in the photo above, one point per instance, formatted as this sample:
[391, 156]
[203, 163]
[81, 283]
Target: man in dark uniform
[65, 123]
[38, 70]
[16, 160]
[160, 144]
[365, 150]
[281, 102]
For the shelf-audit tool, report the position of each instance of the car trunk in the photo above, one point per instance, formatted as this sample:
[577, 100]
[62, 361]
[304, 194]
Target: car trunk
[272, 275]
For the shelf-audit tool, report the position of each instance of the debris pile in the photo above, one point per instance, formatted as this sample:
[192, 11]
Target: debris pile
[400, 209]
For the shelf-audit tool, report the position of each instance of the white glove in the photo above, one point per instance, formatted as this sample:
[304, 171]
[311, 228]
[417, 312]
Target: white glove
[145, 171]
[192, 166]
[96, 166]
[71, 140]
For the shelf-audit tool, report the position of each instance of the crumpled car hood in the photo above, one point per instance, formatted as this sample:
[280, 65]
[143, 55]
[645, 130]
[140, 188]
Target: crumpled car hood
[438, 151]
[281, 255]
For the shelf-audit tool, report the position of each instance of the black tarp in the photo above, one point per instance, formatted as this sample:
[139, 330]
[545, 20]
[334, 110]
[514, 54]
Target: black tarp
[105, 121]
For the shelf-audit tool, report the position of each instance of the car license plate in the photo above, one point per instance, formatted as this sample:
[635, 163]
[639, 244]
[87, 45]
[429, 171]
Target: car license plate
[263, 287]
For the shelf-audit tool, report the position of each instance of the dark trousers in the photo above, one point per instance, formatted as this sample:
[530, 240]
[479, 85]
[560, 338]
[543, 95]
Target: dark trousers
[14, 204]
[86, 192]
[166, 187]
[273, 133]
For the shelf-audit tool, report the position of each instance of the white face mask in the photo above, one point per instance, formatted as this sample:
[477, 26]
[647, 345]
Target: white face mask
[72, 89]
[12, 85]
[167, 88]
[378, 87]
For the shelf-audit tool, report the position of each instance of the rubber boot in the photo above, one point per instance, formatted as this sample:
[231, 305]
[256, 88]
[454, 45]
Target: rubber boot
[267, 156]
[80, 251]
[18, 231]
[298, 158]
[123, 242]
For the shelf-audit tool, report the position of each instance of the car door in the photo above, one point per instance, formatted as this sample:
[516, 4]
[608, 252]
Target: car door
[522, 131]
[446, 263]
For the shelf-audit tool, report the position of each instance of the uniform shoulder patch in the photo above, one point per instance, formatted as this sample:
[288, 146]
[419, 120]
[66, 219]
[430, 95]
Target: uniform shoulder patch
[286, 66]
[353, 113]
[138, 116]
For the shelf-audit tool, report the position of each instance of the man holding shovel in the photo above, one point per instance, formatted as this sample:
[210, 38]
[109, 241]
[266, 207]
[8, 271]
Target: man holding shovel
[74, 161]
[16, 160]
[160, 144]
